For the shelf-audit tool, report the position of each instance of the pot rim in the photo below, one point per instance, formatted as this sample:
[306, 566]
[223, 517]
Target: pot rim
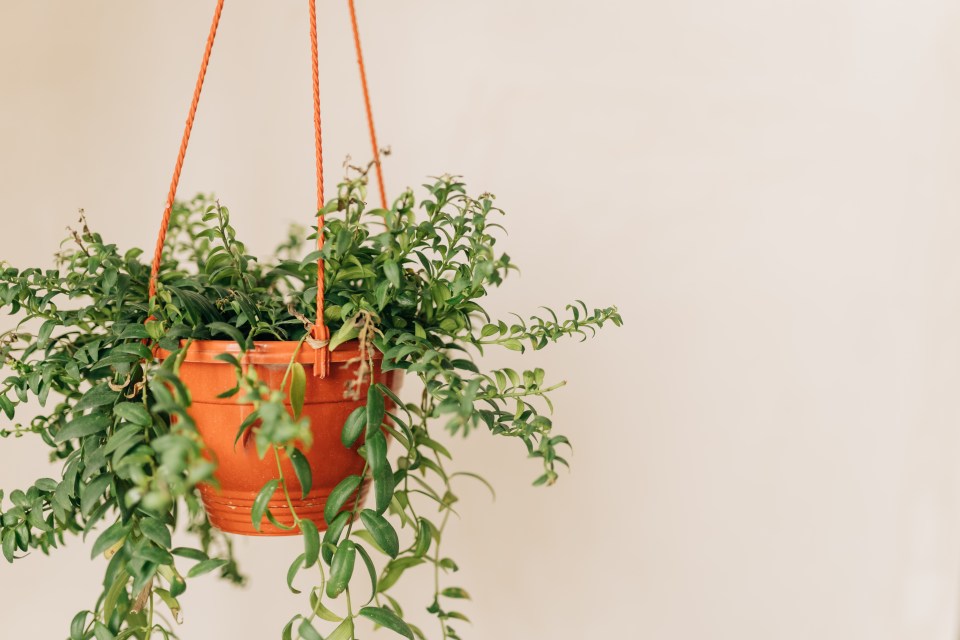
[267, 352]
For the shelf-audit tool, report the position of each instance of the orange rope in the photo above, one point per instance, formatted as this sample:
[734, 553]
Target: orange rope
[320, 330]
[172, 194]
[366, 102]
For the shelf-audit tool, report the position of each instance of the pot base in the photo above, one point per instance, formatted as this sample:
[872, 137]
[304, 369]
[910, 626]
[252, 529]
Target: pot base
[230, 511]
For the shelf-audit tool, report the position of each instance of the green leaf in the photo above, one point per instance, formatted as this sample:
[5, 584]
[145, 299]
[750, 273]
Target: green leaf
[347, 332]
[97, 396]
[90, 494]
[111, 536]
[177, 586]
[262, 501]
[292, 572]
[134, 349]
[302, 468]
[388, 620]
[46, 484]
[341, 569]
[455, 592]
[228, 330]
[375, 409]
[392, 270]
[46, 330]
[190, 554]
[376, 447]
[424, 538]
[298, 389]
[247, 423]
[172, 604]
[367, 537]
[488, 330]
[339, 496]
[321, 609]
[512, 343]
[133, 413]
[83, 426]
[354, 425]
[205, 567]
[6, 405]
[311, 542]
[383, 487]
[77, 625]
[371, 570]
[156, 531]
[344, 631]
[9, 544]
[331, 538]
[382, 531]
[113, 594]
[395, 569]
[307, 632]
[287, 633]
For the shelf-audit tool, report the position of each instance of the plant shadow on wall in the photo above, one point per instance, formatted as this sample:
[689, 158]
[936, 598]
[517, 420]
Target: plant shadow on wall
[205, 396]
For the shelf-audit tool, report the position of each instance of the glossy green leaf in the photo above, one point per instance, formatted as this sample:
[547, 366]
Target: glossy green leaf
[321, 609]
[83, 426]
[248, 423]
[392, 270]
[341, 569]
[172, 604]
[113, 593]
[339, 496]
[311, 542]
[376, 447]
[9, 544]
[295, 567]
[298, 389]
[382, 531]
[218, 328]
[202, 568]
[262, 501]
[395, 569]
[371, 570]
[191, 554]
[344, 631]
[383, 487]
[301, 466]
[97, 396]
[307, 632]
[375, 409]
[354, 426]
[424, 538]
[133, 413]
[156, 531]
[110, 536]
[388, 620]
[91, 494]
[331, 537]
[77, 625]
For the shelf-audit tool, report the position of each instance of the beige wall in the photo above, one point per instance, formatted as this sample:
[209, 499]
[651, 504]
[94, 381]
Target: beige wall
[768, 189]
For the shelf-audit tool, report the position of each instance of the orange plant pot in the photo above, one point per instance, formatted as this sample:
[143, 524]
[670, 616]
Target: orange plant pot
[241, 474]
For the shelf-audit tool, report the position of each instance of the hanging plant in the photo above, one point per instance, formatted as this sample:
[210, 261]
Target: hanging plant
[211, 392]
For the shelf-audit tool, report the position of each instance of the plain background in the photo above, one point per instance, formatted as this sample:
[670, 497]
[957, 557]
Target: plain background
[768, 190]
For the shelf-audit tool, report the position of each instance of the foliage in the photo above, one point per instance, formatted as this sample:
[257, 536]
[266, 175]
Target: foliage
[405, 281]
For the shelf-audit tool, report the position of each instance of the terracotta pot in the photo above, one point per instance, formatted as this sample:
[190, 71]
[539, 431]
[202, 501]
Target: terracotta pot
[240, 471]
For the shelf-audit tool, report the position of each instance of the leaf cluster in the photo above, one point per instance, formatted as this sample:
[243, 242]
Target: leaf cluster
[406, 282]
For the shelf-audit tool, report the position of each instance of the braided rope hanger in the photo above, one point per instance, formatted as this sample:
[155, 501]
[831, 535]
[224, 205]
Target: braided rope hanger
[321, 332]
